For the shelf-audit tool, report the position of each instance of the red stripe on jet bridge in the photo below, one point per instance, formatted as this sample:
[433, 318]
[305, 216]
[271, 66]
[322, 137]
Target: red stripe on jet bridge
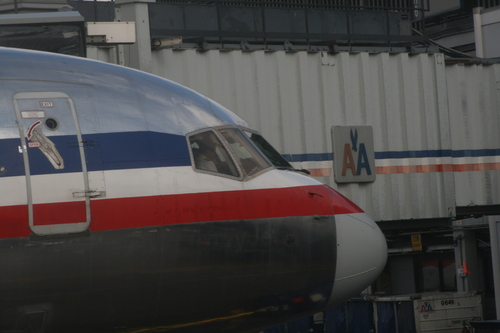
[385, 170]
[109, 214]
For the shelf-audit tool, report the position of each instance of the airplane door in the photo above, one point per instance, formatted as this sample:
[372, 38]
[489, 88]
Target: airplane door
[54, 162]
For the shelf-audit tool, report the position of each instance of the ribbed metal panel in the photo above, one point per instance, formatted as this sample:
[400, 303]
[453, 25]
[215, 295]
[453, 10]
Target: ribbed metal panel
[106, 54]
[474, 104]
[435, 126]
[295, 98]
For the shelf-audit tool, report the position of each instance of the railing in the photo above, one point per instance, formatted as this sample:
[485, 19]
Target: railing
[379, 24]
[289, 24]
[464, 13]
[487, 3]
[330, 4]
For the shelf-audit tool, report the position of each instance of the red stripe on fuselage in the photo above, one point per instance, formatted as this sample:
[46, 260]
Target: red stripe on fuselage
[59, 213]
[109, 214]
[14, 222]
[210, 206]
[342, 205]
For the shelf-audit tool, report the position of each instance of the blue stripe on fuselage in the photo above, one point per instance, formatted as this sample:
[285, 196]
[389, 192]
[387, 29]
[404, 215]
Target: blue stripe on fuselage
[108, 151]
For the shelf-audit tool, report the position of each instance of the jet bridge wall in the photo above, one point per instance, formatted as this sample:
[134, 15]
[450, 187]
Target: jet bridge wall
[422, 111]
[474, 107]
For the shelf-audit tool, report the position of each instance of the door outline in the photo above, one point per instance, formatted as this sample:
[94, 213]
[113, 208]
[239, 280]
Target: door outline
[54, 228]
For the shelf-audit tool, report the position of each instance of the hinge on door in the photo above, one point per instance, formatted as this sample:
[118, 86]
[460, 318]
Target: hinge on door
[90, 194]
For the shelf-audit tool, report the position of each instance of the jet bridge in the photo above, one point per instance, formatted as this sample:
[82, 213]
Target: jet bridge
[58, 32]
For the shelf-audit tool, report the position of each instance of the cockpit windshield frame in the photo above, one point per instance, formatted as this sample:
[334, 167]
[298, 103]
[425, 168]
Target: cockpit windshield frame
[210, 154]
[240, 157]
[268, 150]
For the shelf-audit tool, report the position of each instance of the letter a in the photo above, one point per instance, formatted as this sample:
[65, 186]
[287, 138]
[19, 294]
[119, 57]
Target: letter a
[348, 161]
[363, 160]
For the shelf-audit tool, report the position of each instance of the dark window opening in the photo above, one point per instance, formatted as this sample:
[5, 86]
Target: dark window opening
[250, 158]
[268, 150]
[209, 154]
[435, 275]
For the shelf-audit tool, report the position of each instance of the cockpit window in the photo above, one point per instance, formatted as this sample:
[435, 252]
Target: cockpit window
[268, 150]
[231, 151]
[210, 154]
[250, 158]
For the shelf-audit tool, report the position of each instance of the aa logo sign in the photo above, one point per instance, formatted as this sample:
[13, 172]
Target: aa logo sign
[353, 154]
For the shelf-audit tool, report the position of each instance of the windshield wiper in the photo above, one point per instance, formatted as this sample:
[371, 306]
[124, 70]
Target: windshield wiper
[307, 172]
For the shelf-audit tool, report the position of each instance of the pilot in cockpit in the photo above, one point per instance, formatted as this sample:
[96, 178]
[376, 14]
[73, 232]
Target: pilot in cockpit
[209, 154]
[205, 157]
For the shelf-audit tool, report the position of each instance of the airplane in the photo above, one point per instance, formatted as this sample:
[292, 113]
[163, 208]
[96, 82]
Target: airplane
[133, 204]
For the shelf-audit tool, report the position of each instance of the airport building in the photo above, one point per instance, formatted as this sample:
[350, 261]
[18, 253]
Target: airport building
[396, 104]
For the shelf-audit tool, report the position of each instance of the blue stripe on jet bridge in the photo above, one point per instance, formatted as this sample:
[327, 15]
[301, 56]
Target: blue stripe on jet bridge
[401, 154]
[109, 151]
[413, 154]
[308, 157]
[476, 153]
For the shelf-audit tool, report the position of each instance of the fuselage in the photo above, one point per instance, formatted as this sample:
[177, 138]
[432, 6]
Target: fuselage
[111, 220]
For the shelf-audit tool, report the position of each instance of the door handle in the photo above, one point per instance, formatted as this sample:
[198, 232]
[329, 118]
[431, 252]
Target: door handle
[89, 194]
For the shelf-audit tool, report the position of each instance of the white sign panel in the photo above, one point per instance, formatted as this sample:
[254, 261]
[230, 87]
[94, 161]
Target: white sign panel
[353, 154]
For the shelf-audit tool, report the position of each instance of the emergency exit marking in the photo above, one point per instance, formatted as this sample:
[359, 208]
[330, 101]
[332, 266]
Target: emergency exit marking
[38, 114]
[46, 104]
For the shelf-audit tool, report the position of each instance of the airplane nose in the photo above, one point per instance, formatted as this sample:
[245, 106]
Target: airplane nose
[361, 255]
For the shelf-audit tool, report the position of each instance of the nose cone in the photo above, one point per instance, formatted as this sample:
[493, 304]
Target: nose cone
[361, 255]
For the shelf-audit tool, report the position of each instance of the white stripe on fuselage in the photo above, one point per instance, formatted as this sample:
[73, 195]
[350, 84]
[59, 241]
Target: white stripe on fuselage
[128, 183]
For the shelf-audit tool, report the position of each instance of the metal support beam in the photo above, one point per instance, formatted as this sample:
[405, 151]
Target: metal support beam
[494, 224]
[478, 32]
[139, 53]
[466, 256]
